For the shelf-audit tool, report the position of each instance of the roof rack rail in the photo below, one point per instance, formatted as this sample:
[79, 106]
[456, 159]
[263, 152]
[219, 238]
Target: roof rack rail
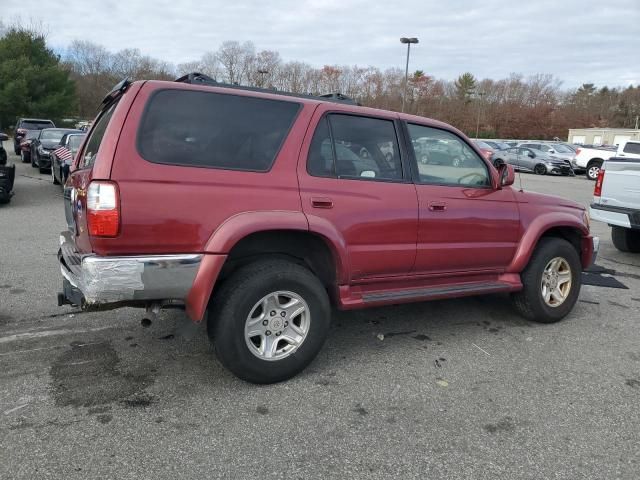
[196, 78]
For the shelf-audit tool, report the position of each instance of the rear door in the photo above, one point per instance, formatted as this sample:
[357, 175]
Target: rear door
[356, 188]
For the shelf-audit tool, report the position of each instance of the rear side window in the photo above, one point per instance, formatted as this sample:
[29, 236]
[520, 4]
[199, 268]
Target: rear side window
[632, 147]
[353, 147]
[206, 129]
[96, 136]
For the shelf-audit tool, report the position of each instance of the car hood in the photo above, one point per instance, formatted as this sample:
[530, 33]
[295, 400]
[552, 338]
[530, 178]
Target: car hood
[544, 199]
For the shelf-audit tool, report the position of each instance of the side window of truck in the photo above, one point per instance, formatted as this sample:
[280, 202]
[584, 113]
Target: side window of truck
[95, 138]
[445, 159]
[214, 130]
[354, 147]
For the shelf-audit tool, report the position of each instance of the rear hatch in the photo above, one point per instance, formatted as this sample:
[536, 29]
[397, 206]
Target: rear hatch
[621, 184]
[94, 159]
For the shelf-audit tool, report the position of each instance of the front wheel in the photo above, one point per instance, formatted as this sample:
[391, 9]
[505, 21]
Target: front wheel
[551, 282]
[540, 169]
[34, 160]
[269, 320]
[23, 157]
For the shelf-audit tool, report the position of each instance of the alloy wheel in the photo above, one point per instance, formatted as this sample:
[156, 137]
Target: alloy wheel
[556, 282]
[277, 325]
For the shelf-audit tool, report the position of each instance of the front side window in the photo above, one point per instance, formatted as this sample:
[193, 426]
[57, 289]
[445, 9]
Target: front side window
[348, 146]
[445, 159]
[213, 130]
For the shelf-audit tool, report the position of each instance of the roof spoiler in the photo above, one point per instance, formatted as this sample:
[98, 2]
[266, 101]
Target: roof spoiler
[196, 78]
[115, 92]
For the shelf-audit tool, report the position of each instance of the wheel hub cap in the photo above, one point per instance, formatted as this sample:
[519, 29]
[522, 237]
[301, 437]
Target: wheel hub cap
[556, 282]
[277, 325]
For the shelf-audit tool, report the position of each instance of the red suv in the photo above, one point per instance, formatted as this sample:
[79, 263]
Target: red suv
[259, 211]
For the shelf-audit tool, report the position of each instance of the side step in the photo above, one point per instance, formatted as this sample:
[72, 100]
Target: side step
[430, 293]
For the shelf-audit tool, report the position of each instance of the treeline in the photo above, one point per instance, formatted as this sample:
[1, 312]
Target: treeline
[513, 107]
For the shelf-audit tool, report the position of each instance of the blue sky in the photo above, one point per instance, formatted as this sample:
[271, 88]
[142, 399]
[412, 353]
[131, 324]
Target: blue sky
[576, 41]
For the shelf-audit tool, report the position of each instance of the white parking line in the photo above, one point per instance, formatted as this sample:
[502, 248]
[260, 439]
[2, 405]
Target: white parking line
[15, 409]
[46, 333]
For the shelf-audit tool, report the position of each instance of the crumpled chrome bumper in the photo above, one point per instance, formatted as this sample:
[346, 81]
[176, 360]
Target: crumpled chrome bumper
[101, 281]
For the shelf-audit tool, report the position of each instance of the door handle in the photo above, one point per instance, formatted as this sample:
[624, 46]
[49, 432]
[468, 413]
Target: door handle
[437, 206]
[321, 202]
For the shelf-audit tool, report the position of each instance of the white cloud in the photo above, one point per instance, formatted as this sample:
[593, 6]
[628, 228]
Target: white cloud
[576, 41]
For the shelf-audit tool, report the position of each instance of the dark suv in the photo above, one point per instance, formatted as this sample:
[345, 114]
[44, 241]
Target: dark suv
[26, 124]
[259, 212]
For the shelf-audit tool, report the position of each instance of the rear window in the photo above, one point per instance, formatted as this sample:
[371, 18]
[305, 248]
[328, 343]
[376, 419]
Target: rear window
[206, 129]
[96, 136]
[52, 135]
[632, 147]
[27, 125]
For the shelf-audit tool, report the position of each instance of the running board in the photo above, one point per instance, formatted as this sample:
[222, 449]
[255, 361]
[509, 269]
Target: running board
[438, 292]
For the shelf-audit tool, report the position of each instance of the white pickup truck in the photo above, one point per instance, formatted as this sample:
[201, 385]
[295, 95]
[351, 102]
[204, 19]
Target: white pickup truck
[590, 160]
[616, 199]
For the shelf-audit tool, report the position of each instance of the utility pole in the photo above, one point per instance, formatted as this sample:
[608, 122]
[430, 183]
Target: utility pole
[480, 94]
[408, 41]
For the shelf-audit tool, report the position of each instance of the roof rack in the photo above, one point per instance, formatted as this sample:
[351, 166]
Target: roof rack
[196, 78]
[118, 90]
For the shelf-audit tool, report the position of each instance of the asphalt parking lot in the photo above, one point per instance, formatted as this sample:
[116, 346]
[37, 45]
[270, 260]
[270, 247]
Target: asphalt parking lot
[448, 389]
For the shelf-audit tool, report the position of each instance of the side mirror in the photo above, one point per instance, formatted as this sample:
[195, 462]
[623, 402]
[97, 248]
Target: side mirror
[4, 137]
[506, 174]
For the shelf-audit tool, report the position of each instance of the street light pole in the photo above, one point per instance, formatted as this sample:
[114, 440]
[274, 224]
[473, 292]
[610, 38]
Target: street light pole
[408, 41]
[480, 94]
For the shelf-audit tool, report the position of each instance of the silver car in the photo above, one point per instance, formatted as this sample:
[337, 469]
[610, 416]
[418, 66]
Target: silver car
[556, 150]
[530, 160]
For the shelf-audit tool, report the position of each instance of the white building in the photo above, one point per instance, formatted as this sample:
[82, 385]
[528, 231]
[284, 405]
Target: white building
[602, 136]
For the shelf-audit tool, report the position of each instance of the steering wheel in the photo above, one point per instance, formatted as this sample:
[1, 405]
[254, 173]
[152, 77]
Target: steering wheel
[462, 181]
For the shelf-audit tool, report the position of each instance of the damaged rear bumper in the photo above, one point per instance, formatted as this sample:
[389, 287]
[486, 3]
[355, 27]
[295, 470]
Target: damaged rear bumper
[97, 282]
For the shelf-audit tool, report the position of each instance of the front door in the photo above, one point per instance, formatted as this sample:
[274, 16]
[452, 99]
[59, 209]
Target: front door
[466, 225]
[355, 187]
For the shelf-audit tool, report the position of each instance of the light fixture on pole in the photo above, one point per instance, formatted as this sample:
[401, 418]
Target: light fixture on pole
[408, 41]
[262, 73]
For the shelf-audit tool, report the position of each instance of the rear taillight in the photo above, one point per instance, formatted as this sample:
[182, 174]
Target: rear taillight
[21, 131]
[597, 191]
[103, 209]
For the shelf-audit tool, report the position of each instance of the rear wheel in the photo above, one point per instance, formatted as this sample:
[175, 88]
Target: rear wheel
[540, 169]
[593, 169]
[34, 163]
[269, 320]
[551, 282]
[626, 239]
[23, 157]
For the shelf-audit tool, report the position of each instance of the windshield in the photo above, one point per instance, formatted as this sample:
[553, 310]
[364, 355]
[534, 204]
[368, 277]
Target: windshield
[36, 125]
[74, 142]
[32, 134]
[562, 149]
[52, 135]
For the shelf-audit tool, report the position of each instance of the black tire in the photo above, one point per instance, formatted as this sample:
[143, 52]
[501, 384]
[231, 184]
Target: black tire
[626, 239]
[540, 169]
[497, 162]
[529, 302]
[54, 180]
[593, 169]
[23, 157]
[34, 159]
[232, 304]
